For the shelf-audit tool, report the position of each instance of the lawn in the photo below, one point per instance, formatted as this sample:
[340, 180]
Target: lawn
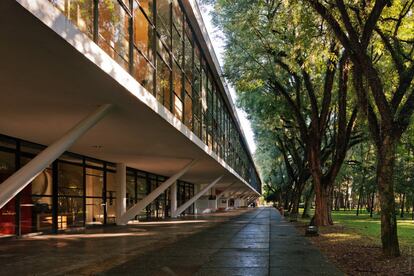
[371, 227]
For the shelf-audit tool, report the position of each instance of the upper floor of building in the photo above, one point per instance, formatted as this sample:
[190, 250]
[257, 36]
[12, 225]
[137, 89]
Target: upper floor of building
[164, 46]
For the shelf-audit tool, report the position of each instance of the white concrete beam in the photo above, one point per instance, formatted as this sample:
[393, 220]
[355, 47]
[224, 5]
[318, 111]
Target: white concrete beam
[137, 208]
[187, 204]
[20, 179]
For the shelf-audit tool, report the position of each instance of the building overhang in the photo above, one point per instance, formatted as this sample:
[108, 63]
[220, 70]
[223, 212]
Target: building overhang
[52, 76]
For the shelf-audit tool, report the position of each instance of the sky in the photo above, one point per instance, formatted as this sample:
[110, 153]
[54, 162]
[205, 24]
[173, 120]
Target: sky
[218, 44]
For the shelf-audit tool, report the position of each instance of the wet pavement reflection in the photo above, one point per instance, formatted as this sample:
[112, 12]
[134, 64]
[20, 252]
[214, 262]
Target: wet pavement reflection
[239, 242]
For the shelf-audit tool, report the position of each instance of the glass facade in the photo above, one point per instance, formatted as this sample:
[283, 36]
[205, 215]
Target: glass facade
[75, 191]
[155, 43]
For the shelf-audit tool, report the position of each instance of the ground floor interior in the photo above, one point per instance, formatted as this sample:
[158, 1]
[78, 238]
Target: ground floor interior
[75, 191]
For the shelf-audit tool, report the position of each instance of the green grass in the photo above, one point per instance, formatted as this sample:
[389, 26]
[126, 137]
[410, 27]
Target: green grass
[371, 227]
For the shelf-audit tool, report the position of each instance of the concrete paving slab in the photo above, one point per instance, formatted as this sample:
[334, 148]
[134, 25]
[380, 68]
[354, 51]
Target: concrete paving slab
[242, 242]
[233, 272]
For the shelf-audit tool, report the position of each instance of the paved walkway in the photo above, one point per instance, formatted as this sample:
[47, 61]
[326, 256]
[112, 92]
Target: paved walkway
[254, 243]
[243, 242]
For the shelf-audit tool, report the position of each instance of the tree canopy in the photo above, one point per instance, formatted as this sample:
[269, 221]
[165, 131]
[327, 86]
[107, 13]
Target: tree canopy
[328, 87]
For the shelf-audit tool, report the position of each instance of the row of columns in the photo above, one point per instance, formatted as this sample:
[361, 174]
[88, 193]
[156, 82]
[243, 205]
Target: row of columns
[124, 216]
[20, 179]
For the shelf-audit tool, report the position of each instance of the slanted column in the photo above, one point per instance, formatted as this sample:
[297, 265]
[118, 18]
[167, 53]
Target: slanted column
[232, 194]
[173, 198]
[120, 191]
[252, 199]
[187, 204]
[225, 190]
[134, 210]
[20, 179]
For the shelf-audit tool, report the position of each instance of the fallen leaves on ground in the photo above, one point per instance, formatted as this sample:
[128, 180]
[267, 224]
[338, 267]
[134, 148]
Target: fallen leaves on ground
[358, 255]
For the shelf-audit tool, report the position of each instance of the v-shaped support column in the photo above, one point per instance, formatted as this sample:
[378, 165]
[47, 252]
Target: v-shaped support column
[228, 188]
[20, 179]
[137, 208]
[187, 204]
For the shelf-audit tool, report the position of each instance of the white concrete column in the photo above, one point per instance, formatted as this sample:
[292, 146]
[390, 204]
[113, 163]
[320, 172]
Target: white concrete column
[187, 204]
[137, 208]
[120, 191]
[173, 198]
[20, 179]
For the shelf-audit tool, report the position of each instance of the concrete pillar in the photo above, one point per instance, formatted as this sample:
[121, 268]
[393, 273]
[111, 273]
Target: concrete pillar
[134, 210]
[173, 198]
[187, 204]
[120, 191]
[226, 190]
[20, 179]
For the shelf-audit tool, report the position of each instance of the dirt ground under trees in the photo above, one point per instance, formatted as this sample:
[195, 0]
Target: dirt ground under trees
[359, 255]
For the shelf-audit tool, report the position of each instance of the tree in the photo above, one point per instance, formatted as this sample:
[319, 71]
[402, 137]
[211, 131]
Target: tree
[279, 51]
[379, 39]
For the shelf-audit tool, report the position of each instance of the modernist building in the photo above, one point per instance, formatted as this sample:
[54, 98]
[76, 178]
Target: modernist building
[112, 111]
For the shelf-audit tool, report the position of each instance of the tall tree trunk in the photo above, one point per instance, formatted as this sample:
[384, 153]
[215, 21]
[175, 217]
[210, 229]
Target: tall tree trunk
[323, 195]
[359, 200]
[287, 196]
[371, 210]
[402, 198]
[296, 199]
[412, 214]
[308, 202]
[347, 195]
[385, 177]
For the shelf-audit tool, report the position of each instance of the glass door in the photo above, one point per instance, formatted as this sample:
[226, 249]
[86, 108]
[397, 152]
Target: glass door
[94, 197]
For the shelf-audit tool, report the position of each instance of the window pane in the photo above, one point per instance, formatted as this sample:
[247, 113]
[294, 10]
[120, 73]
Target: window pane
[177, 75]
[111, 197]
[143, 34]
[143, 72]
[70, 212]
[114, 31]
[130, 190]
[188, 62]
[94, 182]
[94, 211]
[8, 212]
[197, 82]
[177, 16]
[147, 6]
[141, 187]
[178, 107]
[177, 47]
[70, 180]
[197, 127]
[80, 12]
[188, 113]
[163, 83]
[42, 184]
[163, 20]
[42, 212]
[163, 52]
